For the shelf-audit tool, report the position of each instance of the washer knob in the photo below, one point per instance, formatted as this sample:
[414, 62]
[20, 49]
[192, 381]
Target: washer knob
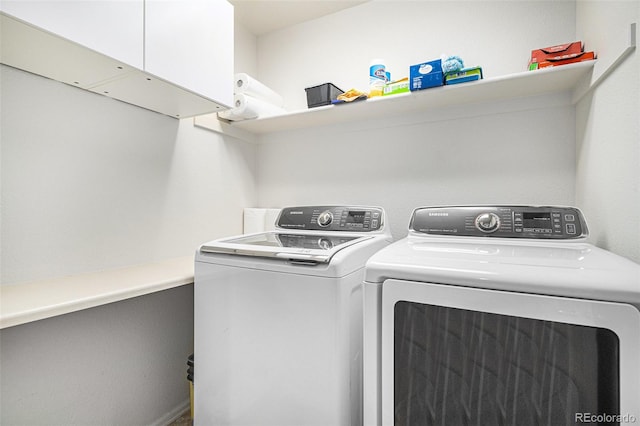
[325, 218]
[325, 244]
[488, 222]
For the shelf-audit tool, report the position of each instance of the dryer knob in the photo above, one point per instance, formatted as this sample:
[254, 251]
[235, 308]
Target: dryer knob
[325, 218]
[488, 222]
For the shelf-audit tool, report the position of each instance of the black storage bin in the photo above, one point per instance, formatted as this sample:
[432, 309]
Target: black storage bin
[322, 94]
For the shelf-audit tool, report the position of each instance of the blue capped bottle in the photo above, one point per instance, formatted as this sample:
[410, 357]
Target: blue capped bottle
[377, 77]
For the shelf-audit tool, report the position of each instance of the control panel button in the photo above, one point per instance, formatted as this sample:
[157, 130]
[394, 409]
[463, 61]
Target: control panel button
[487, 222]
[325, 218]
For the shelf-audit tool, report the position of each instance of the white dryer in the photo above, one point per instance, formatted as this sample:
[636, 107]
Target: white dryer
[278, 320]
[488, 315]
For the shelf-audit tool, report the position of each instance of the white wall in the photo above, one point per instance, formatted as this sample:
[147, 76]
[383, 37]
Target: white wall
[509, 152]
[90, 183]
[498, 35]
[479, 154]
[608, 131]
[245, 57]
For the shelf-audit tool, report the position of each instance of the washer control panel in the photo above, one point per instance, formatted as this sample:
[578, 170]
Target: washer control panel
[534, 222]
[332, 218]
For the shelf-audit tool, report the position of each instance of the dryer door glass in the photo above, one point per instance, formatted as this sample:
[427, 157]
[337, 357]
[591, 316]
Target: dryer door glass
[463, 367]
[454, 355]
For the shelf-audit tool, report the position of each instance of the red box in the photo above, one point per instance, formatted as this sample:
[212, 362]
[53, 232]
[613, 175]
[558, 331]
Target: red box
[561, 60]
[546, 53]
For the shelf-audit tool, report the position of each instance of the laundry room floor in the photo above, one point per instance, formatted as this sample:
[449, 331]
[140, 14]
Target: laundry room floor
[183, 420]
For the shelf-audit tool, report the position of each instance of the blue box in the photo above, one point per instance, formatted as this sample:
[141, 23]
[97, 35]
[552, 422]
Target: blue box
[425, 75]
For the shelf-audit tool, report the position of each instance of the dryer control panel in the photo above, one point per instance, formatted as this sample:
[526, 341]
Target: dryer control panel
[332, 218]
[533, 222]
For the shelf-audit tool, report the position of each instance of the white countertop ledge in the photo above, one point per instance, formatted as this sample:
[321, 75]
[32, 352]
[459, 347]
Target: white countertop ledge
[33, 301]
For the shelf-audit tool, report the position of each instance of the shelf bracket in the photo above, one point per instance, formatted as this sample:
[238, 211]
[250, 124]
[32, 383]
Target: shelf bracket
[619, 60]
[212, 123]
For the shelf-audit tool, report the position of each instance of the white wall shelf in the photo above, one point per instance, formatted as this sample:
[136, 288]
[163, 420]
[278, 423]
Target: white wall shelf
[512, 86]
[23, 303]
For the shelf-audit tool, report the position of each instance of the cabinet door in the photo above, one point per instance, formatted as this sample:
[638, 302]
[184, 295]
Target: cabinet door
[113, 28]
[190, 43]
[29, 48]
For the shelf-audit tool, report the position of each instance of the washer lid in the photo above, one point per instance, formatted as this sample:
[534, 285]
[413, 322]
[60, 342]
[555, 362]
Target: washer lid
[301, 247]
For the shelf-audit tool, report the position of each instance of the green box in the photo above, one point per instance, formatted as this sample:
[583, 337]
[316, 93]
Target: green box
[396, 87]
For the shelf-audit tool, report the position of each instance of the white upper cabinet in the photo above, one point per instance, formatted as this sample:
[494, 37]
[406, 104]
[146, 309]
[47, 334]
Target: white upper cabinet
[113, 28]
[170, 56]
[190, 43]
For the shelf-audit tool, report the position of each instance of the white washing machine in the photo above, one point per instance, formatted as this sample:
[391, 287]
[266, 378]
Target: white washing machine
[278, 320]
[500, 315]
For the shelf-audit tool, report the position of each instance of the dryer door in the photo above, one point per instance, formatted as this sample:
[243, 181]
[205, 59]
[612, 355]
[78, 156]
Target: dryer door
[465, 356]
